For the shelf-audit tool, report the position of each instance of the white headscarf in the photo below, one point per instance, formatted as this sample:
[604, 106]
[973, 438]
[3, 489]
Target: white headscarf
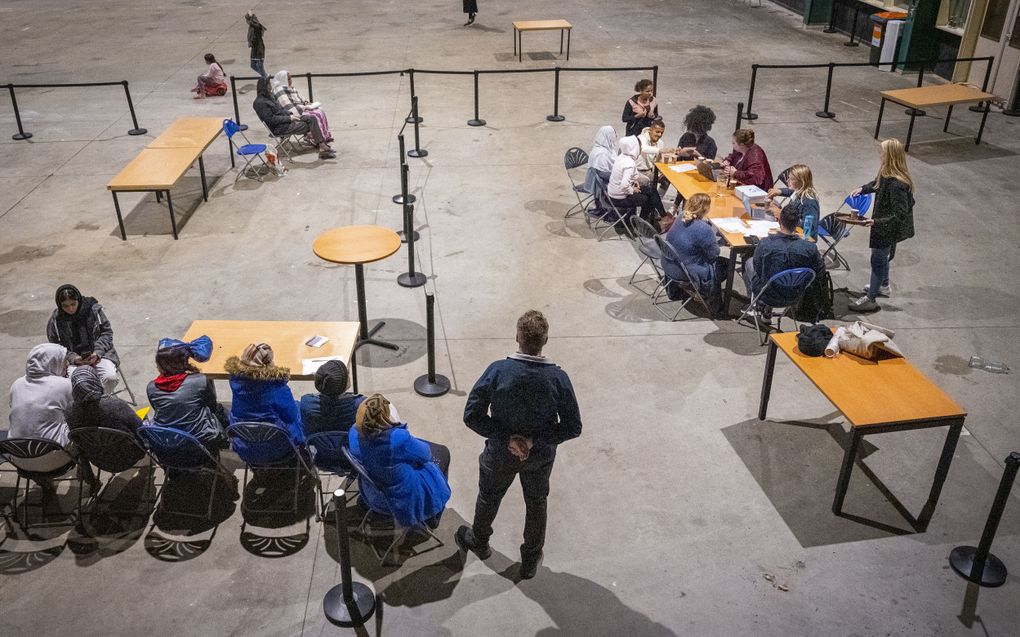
[604, 150]
[630, 146]
[280, 79]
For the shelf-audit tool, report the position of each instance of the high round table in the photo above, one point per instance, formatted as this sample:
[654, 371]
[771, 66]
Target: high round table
[358, 245]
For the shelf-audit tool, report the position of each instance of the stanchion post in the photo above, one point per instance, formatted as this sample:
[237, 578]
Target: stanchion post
[477, 121]
[978, 565]
[21, 134]
[655, 80]
[411, 278]
[853, 29]
[749, 114]
[417, 151]
[137, 130]
[308, 78]
[404, 197]
[431, 384]
[980, 106]
[740, 115]
[414, 118]
[349, 603]
[825, 112]
[237, 113]
[832, 18]
[556, 117]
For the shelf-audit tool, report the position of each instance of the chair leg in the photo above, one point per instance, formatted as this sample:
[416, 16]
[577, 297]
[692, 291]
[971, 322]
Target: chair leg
[397, 540]
[212, 495]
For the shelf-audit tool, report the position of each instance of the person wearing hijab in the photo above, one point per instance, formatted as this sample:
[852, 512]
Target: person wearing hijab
[256, 43]
[333, 408]
[289, 98]
[182, 397]
[628, 188]
[260, 392]
[600, 160]
[282, 122]
[80, 325]
[93, 408]
[641, 110]
[409, 473]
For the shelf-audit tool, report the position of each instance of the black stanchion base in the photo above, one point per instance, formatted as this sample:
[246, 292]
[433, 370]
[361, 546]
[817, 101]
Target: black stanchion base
[962, 561]
[749, 116]
[412, 279]
[418, 152]
[825, 114]
[403, 237]
[399, 199]
[977, 108]
[850, 44]
[431, 389]
[476, 122]
[916, 112]
[21, 136]
[829, 30]
[555, 118]
[349, 614]
[411, 120]
[242, 127]
[138, 131]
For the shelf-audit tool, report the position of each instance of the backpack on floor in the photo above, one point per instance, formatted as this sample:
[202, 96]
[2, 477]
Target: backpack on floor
[817, 302]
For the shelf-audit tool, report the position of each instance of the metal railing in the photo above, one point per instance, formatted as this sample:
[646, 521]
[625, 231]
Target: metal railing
[23, 134]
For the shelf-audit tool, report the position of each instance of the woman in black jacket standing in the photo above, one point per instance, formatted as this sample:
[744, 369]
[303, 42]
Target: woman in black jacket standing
[892, 220]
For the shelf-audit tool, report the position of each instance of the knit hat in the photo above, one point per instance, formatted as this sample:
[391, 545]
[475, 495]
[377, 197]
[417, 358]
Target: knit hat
[331, 378]
[85, 384]
[813, 338]
[257, 355]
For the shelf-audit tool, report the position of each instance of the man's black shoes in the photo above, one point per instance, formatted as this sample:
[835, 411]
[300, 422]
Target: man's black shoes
[467, 541]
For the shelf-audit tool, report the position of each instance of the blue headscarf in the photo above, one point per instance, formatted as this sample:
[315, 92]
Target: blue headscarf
[200, 349]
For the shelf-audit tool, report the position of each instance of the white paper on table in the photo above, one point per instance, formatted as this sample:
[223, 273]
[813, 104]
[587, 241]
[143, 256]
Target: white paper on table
[683, 168]
[761, 227]
[311, 365]
[730, 224]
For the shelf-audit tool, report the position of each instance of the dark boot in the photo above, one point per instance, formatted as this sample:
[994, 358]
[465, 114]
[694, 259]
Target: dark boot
[466, 540]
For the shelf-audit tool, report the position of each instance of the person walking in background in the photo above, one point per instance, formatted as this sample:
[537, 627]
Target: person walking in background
[524, 406]
[641, 110]
[213, 81]
[256, 43]
[470, 8]
[892, 220]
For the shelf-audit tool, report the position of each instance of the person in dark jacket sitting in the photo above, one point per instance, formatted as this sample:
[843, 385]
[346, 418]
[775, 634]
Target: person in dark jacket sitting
[524, 406]
[747, 164]
[92, 408]
[777, 252]
[80, 325]
[333, 408]
[183, 398]
[695, 242]
[696, 141]
[282, 122]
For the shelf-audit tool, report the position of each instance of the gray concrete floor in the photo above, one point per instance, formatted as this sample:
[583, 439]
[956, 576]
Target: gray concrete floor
[676, 512]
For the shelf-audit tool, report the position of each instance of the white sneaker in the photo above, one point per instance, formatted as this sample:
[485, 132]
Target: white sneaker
[884, 290]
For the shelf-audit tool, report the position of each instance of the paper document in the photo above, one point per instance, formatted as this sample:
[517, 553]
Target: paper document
[311, 365]
[683, 168]
[761, 227]
[731, 224]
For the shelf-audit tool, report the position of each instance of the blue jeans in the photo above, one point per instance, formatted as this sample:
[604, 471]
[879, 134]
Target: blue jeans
[259, 66]
[880, 258]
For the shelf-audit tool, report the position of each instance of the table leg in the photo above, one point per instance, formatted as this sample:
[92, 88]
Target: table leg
[941, 471]
[515, 41]
[846, 469]
[561, 41]
[981, 129]
[173, 220]
[520, 46]
[365, 335]
[568, 44]
[910, 131]
[949, 113]
[731, 271]
[159, 196]
[881, 109]
[354, 368]
[120, 220]
[230, 147]
[766, 383]
[201, 170]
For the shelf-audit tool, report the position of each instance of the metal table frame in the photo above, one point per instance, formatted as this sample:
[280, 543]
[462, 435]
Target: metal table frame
[519, 41]
[913, 111]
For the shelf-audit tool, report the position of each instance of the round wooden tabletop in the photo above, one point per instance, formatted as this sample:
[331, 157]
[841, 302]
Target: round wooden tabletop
[352, 245]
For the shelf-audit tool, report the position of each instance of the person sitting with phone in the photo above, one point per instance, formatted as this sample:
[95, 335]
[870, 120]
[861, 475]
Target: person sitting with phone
[80, 325]
[747, 164]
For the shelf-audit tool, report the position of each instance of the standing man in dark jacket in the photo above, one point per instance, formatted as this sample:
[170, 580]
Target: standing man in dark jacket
[256, 44]
[524, 406]
[282, 123]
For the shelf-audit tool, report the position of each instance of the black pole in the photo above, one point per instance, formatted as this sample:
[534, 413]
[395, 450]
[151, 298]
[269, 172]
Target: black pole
[980, 106]
[417, 151]
[853, 29]
[825, 112]
[349, 603]
[131, 107]
[308, 77]
[411, 278]
[21, 134]
[476, 121]
[556, 117]
[740, 115]
[403, 197]
[655, 80]
[237, 113]
[832, 19]
[977, 564]
[750, 115]
[431, 384]
[415, 118]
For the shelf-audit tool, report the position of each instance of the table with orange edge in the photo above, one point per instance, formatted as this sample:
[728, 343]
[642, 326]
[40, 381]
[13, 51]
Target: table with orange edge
[875, 396]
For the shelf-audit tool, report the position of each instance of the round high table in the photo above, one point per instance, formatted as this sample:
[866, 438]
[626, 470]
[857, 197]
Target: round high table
[358, 245]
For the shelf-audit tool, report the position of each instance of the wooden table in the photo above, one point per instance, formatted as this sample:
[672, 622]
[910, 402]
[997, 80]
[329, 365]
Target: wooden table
[163, 162]
[540, 25]
[358, 245]
[876, 397]
[938, 95]
[287, 338]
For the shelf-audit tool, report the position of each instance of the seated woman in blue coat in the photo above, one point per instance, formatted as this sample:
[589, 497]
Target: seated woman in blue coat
[410, 474]
[260, 394]
[694, 240]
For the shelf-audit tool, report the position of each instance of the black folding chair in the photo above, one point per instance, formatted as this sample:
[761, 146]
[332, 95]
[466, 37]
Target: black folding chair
[110, 450]
[573, 159]
[41, 461]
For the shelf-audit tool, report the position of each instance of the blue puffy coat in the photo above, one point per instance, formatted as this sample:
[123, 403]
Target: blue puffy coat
[261, 394]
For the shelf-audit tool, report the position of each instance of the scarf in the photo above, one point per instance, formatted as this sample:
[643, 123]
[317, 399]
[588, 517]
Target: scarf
[604, 150]
[85, 385]
[73, 329]
[172, 382]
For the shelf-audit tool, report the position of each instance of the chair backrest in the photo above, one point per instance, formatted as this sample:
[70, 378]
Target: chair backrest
[37, 457]
[329, 451]
[574, 158]
[365, 482]
[831, 225]
[111, 450]
[230, 127]
[859, 204]
[784, 289]
[175, 449]
[262, 443]
[643, 229]
[668, 251]
[784, 177]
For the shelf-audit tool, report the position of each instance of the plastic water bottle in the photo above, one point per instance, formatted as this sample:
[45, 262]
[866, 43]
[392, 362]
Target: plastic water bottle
[994, 367]
[809, 226]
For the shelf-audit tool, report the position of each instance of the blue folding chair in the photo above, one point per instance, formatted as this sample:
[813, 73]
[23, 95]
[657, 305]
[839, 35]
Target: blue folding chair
[248, 150]
[176, 450]
[268, 447]
[832, 230]
[328, 456]
[783, 290]
[37, 460]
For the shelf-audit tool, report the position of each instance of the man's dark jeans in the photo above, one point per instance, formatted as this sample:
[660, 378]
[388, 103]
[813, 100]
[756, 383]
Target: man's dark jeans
[497, 468]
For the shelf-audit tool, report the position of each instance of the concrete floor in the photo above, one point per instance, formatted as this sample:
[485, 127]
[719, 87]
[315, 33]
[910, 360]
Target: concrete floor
[677, 511]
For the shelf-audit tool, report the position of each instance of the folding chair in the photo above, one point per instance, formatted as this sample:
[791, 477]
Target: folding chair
[611, 216]
[784, 290]
[572, 159]
[832, 230]
[399, 532]
[110, 450]
[248, 150]
[328, 456]
[37, 460]
[280, 142]
[688, 286]
[644, 241]
[268, 447]
[176, 450]
[126, 388]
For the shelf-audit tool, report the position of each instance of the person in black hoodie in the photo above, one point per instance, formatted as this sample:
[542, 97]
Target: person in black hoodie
[256, 44]
[281, 122]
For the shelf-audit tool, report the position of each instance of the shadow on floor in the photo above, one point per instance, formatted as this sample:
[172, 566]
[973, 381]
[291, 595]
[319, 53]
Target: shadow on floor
[115, 521]
[182, 516]
[408, 335]
[277, 519]
[954, 151]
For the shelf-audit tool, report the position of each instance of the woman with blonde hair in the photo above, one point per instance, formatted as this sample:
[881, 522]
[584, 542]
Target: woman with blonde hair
[409, 474]
[694, 240]
[892, 220]
[801, 198]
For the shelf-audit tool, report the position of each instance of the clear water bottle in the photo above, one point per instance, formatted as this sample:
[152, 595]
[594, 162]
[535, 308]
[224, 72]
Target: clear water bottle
[809, 226]
[994, 367]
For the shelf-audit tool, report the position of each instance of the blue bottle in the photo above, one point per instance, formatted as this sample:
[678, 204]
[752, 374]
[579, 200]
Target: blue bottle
[809, 227]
